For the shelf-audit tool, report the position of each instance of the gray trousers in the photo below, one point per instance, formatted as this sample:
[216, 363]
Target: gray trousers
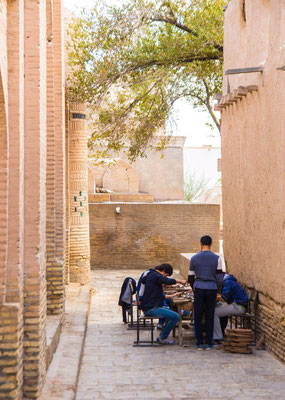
[223, 310]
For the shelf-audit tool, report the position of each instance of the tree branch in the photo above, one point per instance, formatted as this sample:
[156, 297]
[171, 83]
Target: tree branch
[185, 28]
[208, 105]
[186, 60]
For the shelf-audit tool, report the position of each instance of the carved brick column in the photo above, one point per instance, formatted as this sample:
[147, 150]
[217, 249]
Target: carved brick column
[79, 262]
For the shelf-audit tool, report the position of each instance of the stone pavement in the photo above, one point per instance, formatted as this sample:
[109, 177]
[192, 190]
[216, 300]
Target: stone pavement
[112, 369]
[63, 371]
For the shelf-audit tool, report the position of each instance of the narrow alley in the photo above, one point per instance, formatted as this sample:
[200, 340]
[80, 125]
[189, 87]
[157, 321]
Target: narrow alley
[111, 368]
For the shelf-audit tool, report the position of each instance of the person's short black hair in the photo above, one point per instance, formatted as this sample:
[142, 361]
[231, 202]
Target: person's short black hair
[206, 240]
[167, 268]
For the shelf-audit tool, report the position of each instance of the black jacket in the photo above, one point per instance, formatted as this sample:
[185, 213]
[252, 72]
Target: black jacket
[153, 294]
[125, 298]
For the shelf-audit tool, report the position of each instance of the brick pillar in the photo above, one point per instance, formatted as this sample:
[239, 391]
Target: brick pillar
[50, 169]
[34, 198]
[79, 262]
[55, 189]
[59, 97]
[8, 320]
[12, 311]
[3, 191]
[67, 208]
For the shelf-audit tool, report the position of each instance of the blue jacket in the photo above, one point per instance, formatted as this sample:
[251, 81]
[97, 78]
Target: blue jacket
[232, 291]
[153, 293]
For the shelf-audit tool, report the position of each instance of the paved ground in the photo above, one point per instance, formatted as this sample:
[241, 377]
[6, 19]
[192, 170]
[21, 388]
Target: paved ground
[112, 369]
[62, 374]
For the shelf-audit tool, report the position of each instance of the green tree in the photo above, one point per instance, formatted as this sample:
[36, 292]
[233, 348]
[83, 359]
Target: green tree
[132, 61]
[194, 185]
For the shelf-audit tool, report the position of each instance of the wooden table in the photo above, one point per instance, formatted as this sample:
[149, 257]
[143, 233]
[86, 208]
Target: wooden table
[180, 303]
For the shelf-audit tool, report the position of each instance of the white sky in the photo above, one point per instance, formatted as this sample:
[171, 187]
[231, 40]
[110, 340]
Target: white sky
[189, 121]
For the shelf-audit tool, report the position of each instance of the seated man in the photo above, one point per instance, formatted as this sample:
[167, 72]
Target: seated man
[152, 299]
[234, 302]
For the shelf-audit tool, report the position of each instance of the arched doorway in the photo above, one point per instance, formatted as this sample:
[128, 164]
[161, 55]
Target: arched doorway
[121, 177]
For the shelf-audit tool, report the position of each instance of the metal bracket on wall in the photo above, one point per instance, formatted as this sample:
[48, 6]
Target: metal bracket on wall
[243, 70]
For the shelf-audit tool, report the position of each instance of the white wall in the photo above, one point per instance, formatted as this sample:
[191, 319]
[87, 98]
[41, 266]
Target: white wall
[203, 161]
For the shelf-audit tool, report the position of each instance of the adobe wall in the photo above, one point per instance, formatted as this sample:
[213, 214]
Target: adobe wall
[168, 181]
[253, 159]
[144, 235]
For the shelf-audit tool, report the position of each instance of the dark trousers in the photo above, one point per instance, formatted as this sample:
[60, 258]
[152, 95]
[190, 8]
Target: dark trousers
[204, 300]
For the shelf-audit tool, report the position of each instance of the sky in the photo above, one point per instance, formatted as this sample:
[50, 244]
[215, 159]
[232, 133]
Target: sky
[189, 122]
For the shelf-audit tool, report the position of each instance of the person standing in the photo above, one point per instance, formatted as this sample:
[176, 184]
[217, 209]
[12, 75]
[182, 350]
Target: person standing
[202, 277]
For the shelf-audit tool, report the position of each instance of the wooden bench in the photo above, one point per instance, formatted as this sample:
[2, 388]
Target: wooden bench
[247, 320]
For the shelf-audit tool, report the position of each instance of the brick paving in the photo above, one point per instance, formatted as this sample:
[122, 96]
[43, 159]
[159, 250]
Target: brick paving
[112, 369]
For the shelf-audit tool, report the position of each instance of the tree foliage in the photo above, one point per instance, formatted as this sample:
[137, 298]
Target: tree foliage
[194, 185]
[132, 61]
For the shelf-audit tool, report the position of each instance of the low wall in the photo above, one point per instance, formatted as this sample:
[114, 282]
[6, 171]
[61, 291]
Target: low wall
[144, 235]
[120, 197]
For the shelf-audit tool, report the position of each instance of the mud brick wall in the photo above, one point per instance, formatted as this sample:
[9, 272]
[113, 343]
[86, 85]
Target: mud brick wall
[144, 235]
[253, 162]
[11, 349]
[271, 323]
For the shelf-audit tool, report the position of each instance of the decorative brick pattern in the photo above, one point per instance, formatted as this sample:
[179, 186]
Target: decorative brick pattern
[144, 235]
[79, 261]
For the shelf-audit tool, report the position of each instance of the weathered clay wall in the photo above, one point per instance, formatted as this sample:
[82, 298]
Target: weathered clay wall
[253, 159]
[168, 181]
[166, 184]
[144, 235]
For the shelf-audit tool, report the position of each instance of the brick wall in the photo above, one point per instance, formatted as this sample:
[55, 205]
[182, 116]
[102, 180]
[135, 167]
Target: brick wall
[144, 235]
[11, 348]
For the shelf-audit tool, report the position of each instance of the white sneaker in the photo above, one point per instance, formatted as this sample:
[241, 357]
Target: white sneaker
[165, 341]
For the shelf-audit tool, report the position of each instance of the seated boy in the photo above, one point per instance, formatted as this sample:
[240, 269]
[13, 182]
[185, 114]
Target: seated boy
[152, 299]
[234, 302]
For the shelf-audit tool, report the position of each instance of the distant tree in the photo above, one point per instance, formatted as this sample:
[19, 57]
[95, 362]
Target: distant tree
[131, 62]
[194, 185]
